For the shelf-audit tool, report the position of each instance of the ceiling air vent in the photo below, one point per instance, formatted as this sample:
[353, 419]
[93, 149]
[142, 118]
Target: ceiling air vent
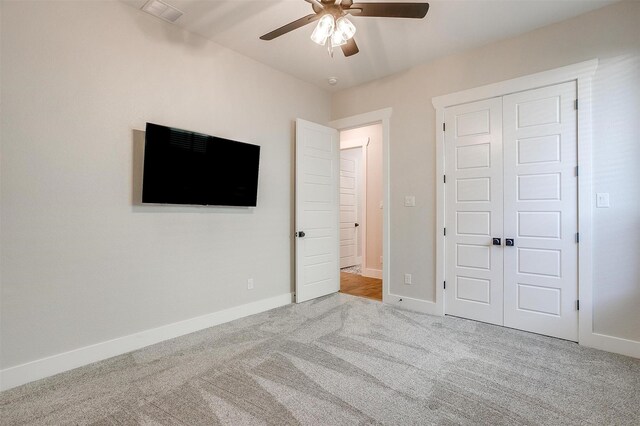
[162, 10]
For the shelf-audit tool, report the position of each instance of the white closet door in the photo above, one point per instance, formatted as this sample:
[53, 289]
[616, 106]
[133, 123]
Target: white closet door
[473, 193]
[540, 211]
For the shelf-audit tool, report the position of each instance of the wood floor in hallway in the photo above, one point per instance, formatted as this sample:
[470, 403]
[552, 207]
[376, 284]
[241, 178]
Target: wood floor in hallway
[357, 285]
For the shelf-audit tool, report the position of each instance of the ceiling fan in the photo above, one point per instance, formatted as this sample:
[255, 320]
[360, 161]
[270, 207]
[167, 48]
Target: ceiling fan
[334, 29]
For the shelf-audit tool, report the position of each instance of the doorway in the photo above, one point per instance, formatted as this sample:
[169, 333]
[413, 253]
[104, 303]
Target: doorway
[317, 205]
[361, 211]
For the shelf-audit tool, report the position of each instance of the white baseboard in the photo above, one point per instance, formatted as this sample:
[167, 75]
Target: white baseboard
[372, 273]
[611, 344]
[422, 306]
[45, 367]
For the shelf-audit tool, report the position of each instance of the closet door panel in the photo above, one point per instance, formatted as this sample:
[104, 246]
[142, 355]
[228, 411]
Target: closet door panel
[473, 197]
[540, 211]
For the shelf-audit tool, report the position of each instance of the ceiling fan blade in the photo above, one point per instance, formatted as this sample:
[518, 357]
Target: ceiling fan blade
[390, 10]
[290, 26]
[351, 48]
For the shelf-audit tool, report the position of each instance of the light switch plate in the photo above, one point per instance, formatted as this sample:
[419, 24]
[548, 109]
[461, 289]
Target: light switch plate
[602, 200]
[409, 201]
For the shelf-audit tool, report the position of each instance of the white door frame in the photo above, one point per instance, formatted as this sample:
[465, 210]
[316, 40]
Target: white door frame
[379, 116]
[361, 143]
[582, 73]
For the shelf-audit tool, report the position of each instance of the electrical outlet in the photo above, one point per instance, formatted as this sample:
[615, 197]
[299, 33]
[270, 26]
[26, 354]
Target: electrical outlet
[410, 201]
[250, 284]
[407, 278]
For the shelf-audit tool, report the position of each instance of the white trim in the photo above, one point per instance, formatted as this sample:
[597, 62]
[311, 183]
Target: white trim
[423, 306]
[584, 69]
[610, 343]
[440, 213]
[45, 367]
[379, 116]
[354, 143]
[582, 73]
[372, 273]
[364, 176]
[585, 176]
[362, 119]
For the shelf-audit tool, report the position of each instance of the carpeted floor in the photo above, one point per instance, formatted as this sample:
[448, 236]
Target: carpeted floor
[355, 269]
[341, 360]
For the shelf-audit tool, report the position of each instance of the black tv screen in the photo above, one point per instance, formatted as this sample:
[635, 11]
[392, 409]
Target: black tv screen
[183, 167]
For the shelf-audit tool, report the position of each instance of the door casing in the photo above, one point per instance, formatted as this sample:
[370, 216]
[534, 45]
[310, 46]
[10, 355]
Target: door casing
[382, 116]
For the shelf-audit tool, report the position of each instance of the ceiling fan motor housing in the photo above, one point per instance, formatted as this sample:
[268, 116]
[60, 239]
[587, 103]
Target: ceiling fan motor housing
[331, 7]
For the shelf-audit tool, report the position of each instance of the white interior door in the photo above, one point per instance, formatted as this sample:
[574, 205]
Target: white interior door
[348, 211]
[473, 197]
[317, 210]
[540, 205]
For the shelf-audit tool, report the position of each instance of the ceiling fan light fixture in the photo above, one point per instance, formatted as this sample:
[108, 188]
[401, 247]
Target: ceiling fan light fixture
[323, 30]
[338, 39]
[345, 27]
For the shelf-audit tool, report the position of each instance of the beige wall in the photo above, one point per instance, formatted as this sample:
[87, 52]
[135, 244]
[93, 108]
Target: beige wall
[80, 264]
[611, 34]
[374, 191]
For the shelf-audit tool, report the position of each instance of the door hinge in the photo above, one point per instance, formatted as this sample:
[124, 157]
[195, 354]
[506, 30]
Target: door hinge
[577, 305]
[577, 170]
[444, 127]
[444, 178]
[445, 232]
[577, 237]
[445, 285]
[575, 104]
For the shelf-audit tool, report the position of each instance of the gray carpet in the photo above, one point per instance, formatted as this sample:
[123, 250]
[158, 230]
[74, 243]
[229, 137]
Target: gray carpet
[341, 360]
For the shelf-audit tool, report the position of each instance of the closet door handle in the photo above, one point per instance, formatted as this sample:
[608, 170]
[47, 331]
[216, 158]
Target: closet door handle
[509, 242]
[497, 241]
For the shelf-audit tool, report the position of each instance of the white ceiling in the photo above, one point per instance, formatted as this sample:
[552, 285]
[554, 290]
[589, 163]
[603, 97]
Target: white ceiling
[387, 45]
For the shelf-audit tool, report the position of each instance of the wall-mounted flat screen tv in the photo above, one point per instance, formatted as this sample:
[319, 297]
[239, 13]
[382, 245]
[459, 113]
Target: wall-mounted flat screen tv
[183, 167]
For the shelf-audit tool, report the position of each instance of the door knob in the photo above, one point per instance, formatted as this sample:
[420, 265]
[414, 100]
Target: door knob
[301, 234]
[509, 242]
[357, 224]
[497, 242]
